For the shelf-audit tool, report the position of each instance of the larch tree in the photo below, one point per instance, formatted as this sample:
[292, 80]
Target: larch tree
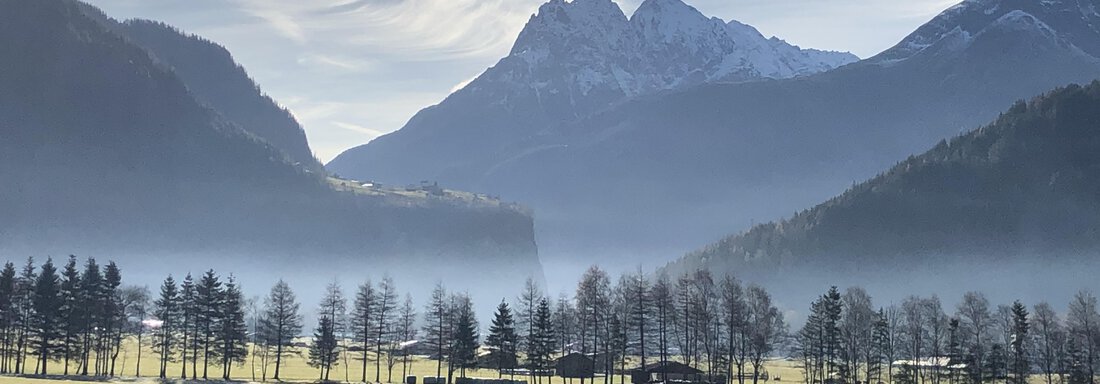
[735, 320]
[407, 331]
[362, 321]
[1083, 325]
[1049, 336]
[528, 303]
[334, 307]
[383, 320]
[436, 332]
[281, 322]
[767, 328]
[976, 321]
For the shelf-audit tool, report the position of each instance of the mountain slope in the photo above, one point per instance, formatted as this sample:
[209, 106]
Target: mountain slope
[215, 79]
[1025, 188]
[573, 59]
[664, 170]
[105, 152]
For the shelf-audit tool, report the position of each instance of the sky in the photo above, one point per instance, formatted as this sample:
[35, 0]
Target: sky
[352, 70]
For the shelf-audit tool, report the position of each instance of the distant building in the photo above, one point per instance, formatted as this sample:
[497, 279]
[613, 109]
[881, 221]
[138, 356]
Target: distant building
[575, 365]
[668, 371]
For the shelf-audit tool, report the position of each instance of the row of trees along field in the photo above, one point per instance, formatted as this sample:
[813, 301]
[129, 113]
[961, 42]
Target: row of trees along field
[846, 339]
[83, 316]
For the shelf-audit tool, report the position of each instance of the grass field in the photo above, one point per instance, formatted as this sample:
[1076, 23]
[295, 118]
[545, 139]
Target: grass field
[296, 369]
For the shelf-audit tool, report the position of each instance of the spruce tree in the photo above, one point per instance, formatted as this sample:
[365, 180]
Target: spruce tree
[542, 343]
[188, 327]
[91, 301]
[25, 313]
[115, 316]
[47, 313]
[209, 297]
[7, 315]
[324, 351]
[167, 310]
[71, 316]
[502, 338]
[464, 338]
[1021, 363]
[233, 329]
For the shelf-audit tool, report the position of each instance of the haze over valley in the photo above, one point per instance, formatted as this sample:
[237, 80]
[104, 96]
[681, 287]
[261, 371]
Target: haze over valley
[619, 160]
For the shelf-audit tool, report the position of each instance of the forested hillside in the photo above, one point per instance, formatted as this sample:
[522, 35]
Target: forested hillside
[1025, 186]
[105, 151]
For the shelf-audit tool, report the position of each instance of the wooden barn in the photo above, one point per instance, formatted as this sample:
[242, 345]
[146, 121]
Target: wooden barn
[575, 366]
[668, 371]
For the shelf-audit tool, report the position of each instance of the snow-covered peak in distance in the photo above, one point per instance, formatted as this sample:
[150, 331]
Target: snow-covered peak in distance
[1072, 22]
[580, 47]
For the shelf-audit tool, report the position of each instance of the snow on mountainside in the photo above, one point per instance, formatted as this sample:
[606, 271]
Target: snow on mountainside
[573, 59]
[1078, 24]
[666, 44]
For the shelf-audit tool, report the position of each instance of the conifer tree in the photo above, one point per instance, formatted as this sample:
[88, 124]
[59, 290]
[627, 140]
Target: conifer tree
[47, 312]
[542, 344]
[71, 316]
[7, 316]
[502, 338]
[233, 329]
[189, 345]
[383, 322]
[91, 300]
[437, 334]
[167, 310]
[465, 337]
[209, 296]
[1021, 328]
[114, 316]
[282, 321]
[24, 297]
[362, 321]
[324, 351]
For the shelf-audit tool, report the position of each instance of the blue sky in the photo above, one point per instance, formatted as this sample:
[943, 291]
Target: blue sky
[352, 70]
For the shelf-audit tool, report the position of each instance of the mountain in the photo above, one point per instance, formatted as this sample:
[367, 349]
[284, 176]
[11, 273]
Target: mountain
[216, 80]
[647, 175]
[106, 152]
[1024, 189]
[573, 59]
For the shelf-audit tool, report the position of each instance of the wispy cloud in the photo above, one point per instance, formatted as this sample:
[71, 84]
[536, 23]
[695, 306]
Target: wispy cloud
[408, 29]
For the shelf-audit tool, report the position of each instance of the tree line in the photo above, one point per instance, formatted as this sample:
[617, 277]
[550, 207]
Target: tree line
[79, 317]
[847, 340]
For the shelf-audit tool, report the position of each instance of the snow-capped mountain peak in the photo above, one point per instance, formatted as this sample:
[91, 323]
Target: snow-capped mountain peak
[665, 20]
[1073, 22]
[579, 55]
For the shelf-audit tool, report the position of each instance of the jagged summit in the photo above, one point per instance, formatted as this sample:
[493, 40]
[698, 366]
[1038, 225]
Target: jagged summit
[665, 44]
[573, 59]
[1069, 22]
